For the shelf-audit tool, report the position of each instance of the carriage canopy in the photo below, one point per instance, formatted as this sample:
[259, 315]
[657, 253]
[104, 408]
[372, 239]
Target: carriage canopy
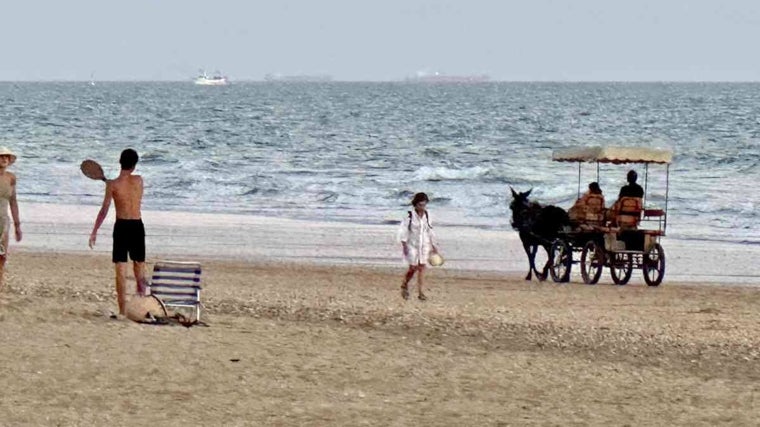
[615, 155]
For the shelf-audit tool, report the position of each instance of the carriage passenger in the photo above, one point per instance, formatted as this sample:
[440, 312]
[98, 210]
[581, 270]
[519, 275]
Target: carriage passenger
[626, 211]
[589, 208]
[631, 189]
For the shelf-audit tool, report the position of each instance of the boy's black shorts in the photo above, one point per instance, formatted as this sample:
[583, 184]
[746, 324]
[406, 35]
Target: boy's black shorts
[128, 239]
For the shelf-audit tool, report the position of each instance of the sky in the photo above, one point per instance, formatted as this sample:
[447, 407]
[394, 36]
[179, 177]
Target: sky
[528, 40]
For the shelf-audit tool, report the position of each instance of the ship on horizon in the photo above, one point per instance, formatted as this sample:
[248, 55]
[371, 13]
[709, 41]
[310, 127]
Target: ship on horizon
[298, 78]
[216, 80]
[437, 77]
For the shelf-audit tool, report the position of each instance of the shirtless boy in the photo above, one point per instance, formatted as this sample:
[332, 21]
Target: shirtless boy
[128, 231]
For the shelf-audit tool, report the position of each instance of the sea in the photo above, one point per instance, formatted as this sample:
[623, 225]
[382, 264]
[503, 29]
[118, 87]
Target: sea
[357, 152]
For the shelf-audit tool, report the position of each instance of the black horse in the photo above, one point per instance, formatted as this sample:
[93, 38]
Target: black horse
[538, 226]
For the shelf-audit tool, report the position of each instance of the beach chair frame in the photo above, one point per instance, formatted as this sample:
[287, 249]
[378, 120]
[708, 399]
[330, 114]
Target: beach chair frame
[177, 284]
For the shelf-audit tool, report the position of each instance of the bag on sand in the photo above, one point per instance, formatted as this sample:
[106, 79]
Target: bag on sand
[151, 310]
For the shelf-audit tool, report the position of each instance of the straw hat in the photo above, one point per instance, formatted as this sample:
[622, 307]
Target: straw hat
[436, 260]
[5, 151]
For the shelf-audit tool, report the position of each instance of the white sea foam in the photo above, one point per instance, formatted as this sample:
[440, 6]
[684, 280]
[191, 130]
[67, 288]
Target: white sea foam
[429, 173]
[353, 152]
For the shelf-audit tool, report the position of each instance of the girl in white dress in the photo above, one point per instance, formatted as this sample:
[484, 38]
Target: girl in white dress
[417, 242]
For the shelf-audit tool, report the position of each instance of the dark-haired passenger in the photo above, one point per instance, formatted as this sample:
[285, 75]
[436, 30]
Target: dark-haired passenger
[631, 189]
[589, 208]
[626, 212]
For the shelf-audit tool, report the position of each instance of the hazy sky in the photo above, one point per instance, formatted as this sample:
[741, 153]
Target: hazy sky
[381, 40]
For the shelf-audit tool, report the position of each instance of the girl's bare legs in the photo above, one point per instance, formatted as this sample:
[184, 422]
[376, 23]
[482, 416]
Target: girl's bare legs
[420, 282]
[407, 279]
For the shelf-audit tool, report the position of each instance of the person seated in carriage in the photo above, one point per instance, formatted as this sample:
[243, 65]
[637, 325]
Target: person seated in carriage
[632, 189]
[626, 211]
[589, 208]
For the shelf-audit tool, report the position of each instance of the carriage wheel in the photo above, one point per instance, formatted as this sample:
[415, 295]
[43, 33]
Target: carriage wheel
[561, 260]
[621, 267]
[592, 262]
[654, 265]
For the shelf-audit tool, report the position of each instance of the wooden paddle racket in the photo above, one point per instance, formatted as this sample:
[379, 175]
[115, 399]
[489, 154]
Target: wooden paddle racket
[91, 169]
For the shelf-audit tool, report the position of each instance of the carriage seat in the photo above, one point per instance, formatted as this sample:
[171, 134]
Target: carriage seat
[627, 212]
[594, 209]
[588, 213]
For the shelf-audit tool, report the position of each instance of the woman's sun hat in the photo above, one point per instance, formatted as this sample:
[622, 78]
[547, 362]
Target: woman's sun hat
[436, 260]
[5, 151]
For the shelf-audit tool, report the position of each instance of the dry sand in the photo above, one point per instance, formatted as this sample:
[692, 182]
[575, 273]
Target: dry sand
[304, 344]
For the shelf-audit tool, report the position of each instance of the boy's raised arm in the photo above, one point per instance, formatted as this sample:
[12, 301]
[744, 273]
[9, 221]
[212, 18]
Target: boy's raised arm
[101, 214]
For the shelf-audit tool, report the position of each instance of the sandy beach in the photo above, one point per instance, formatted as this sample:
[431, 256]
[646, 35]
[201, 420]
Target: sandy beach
[307, 336]
[284, 148]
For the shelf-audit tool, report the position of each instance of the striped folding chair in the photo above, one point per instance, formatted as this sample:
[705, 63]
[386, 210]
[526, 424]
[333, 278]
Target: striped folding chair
[177, 284]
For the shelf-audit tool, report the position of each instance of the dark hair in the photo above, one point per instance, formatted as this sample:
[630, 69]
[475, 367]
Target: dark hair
[632, 176]
[419, 197]
[128, 159]
[594, 188]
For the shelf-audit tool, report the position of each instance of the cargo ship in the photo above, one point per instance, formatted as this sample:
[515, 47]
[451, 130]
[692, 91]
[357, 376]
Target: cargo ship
[298, 78]
[436, 77]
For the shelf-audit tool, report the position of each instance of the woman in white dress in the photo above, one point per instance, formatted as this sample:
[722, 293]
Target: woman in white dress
[8, 205]
[417, 242]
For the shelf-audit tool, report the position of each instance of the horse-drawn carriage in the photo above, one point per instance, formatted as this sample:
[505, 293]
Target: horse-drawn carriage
[624, 237]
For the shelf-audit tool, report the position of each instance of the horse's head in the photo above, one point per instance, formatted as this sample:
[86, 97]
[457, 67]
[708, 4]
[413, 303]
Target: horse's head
[520, 200]
[520, 207]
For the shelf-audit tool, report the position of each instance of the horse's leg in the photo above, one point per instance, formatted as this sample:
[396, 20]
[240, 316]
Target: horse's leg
[531, 266]
[540, 276]
[545, 272]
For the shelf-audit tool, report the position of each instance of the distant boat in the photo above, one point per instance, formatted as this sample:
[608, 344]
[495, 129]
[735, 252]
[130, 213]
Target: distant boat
[298, 78]
[216, 80]
[92, 79]
[424, 77]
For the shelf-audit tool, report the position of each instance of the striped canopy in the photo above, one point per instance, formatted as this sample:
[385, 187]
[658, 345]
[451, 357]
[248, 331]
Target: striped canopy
[615, 155]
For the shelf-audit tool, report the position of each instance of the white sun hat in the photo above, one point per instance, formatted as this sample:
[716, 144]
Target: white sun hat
[5, 151]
